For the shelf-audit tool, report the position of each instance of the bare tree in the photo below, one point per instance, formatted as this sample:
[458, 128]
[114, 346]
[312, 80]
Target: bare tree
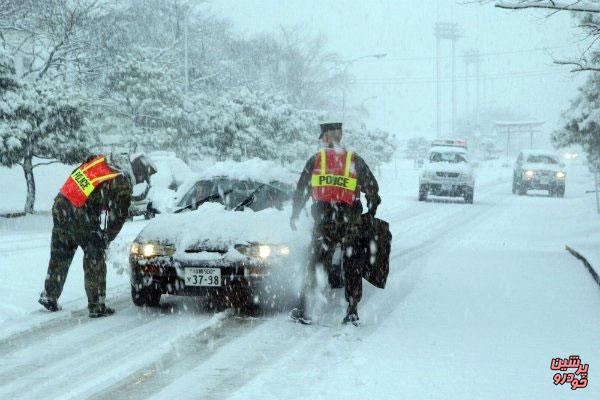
[587, 14]
[50, 35]
[558, 5]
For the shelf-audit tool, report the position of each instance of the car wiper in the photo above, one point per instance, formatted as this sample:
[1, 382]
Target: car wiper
[250, 199]
[197, 204]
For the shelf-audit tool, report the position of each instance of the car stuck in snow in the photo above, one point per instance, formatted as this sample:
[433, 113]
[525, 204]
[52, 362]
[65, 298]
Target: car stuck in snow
[229, 234]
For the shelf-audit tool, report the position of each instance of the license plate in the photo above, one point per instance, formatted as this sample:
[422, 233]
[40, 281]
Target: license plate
[203, 277]
[446, 187]
[544, 181]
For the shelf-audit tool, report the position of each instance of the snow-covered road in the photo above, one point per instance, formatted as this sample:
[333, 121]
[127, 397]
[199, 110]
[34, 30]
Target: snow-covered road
[479, 300]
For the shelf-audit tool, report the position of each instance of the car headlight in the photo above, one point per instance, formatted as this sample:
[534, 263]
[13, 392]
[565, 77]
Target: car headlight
[529, 173]
[149, 250]
[263, 251]
[561, 175]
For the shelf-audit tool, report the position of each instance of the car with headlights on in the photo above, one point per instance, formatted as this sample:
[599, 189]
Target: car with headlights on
[539, 170]
[447, 172]
[229, 239]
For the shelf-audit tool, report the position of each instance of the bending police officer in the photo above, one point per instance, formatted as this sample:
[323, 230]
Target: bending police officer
[334, 178]
[101, 184]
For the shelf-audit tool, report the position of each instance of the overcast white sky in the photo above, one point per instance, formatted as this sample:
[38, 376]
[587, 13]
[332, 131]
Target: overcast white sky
[518, 50]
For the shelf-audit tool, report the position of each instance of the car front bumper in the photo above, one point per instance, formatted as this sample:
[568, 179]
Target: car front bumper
[537, 183]
[447, 187]
[166, 274]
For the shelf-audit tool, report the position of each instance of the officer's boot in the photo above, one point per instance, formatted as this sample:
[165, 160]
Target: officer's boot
[351, 314]
[49, 303]
[100, 310]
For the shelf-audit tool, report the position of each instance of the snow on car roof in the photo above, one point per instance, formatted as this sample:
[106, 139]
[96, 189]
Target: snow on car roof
[447, 149]
[254, 169]
[539, 152]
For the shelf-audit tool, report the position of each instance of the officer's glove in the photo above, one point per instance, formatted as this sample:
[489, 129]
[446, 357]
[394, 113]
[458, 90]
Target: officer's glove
[293, 223]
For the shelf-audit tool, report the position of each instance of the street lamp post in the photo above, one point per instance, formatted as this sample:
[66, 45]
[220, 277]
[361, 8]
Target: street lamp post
[345, 70]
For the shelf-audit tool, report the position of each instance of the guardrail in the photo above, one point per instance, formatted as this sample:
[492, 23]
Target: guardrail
[585, 262]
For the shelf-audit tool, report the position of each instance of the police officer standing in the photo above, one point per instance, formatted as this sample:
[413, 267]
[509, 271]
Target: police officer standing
[335, 177]
[100, 185]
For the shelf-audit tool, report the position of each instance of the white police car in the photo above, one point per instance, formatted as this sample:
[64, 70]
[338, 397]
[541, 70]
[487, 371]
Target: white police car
[447, 171]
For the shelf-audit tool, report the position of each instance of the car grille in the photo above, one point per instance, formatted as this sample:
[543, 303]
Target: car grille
[448, 174]
[546, 174]
[206, 247]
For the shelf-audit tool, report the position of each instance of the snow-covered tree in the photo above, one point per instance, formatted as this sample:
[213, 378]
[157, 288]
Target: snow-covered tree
[373, 145]
[38, 121]
[582, 121]
[416, 148]
[251, 124]
[141, 103]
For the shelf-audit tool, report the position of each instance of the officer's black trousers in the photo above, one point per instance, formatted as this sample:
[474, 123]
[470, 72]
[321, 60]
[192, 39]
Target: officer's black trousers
[66, 237]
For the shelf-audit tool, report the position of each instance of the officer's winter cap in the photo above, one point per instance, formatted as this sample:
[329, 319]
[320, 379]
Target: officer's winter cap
[330, 126]
[120, 162]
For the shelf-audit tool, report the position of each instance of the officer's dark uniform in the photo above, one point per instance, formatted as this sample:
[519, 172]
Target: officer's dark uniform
[337, 223]
[81, 227]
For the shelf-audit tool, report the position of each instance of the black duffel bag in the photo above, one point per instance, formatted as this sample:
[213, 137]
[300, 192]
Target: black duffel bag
[376, 242]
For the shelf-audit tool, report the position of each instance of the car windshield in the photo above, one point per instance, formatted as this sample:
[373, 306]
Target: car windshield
[233, 192]
[447, 156]
[542, 159]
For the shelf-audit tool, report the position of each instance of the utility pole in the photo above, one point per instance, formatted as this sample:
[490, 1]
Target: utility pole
[453, 132]
[472, 57]
[477, 91]
[185, 56]
[446, 31]
[437, 89]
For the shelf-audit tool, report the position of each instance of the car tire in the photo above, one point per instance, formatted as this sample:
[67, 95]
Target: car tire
[469, 195]
[521, 190]
[560, 192]
[146, 296]
[514, 186]
[423, 190]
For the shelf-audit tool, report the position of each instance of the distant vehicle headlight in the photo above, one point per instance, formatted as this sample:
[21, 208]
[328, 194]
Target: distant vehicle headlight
[263, 251]
[560, 175]
[149, 250]
[529, 173]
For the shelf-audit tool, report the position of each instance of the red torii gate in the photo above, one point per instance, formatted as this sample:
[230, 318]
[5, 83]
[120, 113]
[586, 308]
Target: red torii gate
[510, 127]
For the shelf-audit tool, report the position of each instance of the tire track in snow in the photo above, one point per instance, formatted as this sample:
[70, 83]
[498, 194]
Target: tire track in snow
[186, 355]
[56, 325]
[100, 364]
[19, 362]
